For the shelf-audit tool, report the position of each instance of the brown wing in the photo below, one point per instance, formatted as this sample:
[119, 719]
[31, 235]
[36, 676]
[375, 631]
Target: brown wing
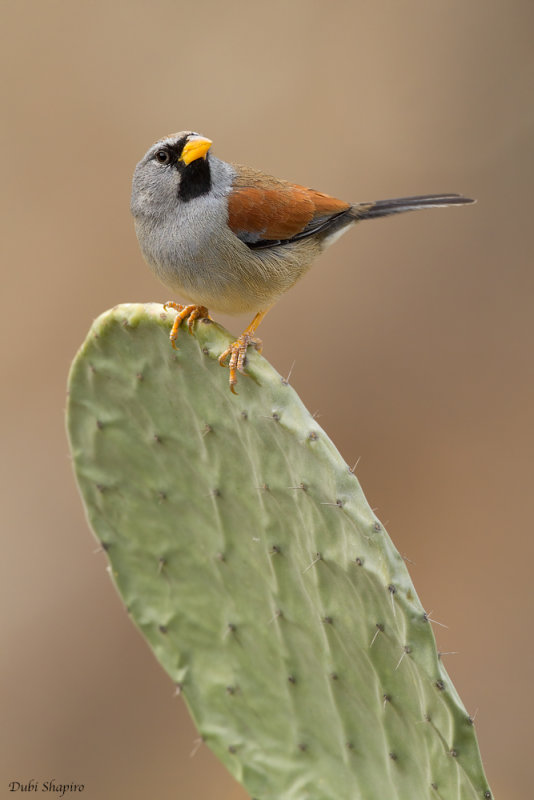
[264, 209]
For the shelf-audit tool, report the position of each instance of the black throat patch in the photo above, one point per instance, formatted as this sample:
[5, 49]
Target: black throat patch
[195, 179]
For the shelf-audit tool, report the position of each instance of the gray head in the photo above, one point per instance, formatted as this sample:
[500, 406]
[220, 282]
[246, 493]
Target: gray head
[176, 168]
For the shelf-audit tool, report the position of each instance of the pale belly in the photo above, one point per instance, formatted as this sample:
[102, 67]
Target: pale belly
[234, 279]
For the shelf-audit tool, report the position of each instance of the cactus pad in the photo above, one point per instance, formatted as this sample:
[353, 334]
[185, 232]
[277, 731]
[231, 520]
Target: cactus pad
[247, 555]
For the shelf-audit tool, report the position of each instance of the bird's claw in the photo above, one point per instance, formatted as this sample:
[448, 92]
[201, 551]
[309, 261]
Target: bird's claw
[191, 312]
[236, 354]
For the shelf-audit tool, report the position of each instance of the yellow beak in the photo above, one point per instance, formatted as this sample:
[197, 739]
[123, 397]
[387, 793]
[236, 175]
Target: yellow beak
[196, 147]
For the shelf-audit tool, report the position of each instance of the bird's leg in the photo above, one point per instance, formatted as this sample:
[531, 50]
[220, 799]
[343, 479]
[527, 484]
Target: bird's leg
[237, 351]
[193, 312]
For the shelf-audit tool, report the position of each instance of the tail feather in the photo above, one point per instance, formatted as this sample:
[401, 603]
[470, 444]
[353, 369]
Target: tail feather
[383, 208]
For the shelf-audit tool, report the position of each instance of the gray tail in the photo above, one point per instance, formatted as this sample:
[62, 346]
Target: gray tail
[383, 208]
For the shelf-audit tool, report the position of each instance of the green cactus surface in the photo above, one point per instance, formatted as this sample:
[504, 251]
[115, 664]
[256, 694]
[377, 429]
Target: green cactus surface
[250, 560]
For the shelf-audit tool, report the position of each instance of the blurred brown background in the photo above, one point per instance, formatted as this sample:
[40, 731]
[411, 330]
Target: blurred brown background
[422, 367]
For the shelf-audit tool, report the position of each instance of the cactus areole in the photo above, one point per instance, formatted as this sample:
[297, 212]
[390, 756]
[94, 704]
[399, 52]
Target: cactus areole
[250, 560]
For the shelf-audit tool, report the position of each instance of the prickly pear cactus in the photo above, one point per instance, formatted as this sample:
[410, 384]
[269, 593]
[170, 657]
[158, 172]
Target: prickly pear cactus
[248, 557]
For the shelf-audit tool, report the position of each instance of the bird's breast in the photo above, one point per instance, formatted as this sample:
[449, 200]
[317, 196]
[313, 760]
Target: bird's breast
[204, 262]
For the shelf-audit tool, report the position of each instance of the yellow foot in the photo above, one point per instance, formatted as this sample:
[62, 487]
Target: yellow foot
[192, 312]
[237, 353]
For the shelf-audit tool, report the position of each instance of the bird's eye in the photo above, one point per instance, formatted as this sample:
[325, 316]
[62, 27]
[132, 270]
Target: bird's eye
[163, 157]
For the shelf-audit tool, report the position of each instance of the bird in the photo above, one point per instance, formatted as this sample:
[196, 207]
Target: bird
[233, 239]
